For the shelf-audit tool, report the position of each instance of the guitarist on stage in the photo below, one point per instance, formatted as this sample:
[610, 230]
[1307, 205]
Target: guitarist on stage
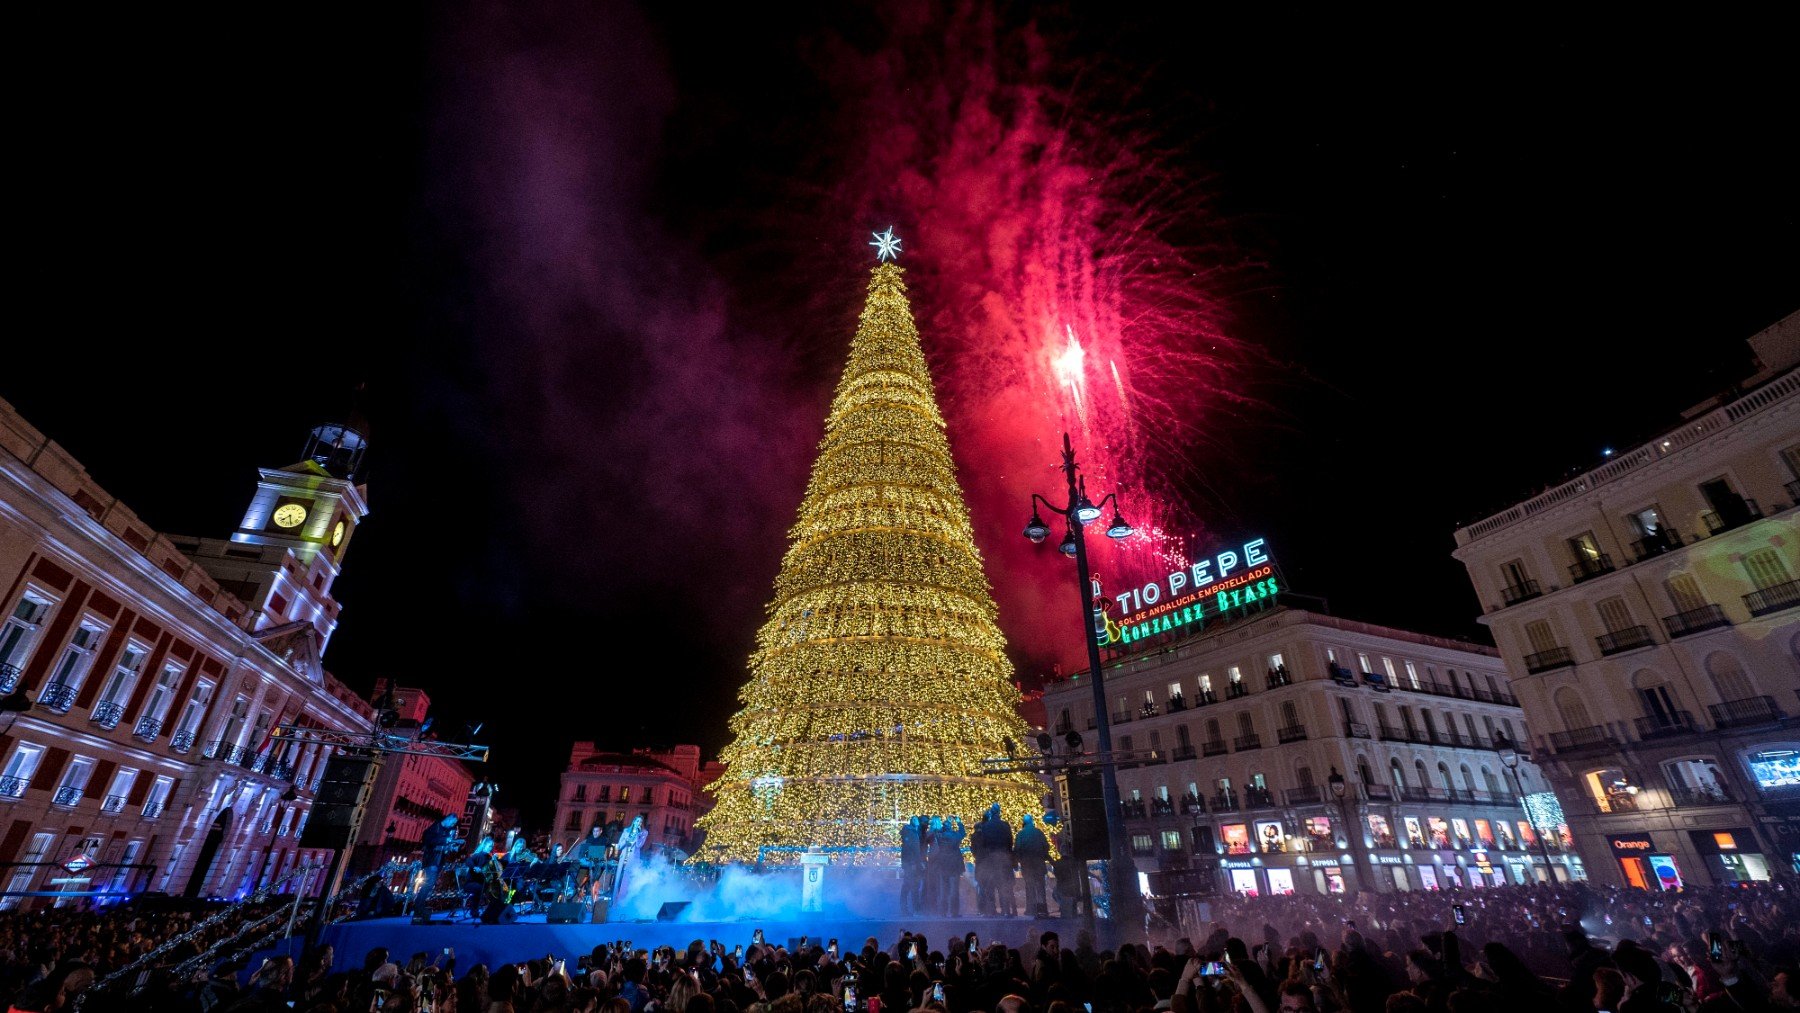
[438, 841]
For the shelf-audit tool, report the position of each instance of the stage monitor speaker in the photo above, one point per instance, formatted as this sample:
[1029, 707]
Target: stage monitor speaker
[670, 911]
[1087, 815]
[337, 809]
[600, 909]
[567, 912]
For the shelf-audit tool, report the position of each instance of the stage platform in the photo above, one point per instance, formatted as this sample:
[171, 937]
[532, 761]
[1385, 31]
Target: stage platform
[532, 937]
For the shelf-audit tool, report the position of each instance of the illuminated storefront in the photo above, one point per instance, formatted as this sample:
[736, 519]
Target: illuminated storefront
[1643, 864]
[1730, 856]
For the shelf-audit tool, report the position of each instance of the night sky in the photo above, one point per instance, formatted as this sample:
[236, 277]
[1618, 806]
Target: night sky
[598, 265]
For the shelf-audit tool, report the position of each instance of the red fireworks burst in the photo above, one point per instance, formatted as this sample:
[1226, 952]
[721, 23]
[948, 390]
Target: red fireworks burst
[1049, 291]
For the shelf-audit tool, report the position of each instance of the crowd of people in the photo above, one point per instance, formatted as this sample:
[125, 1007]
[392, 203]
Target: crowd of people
[1564, 947]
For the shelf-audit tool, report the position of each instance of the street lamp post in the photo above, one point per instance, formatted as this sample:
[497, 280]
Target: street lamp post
[1340, 790]
[1127, 904]
[1509, 759]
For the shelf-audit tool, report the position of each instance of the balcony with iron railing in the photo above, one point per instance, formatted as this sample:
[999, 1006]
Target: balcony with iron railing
[1683, 797]
[1512, 594]
[1706, 617]
[281, 770]
[224, 751]
[1278, 677]
[108, 715]
[1243, 742]
[148, 728]
[1213, 747]
[1356, 730]
[9, 678]
[1773, 599]
[1259, 798]
[1290, 733]
[153, 809]
[113, 805]
[1177, 702]
[1204, 697]
[1754, 710]
[68, 797]
[1663, 539]
[1544, 661]
[1148, 710]
[1730, 512]
[1341, 675]
[1134, 809]
[1628, 639]
[1587, 569]
[12, 788]
[1306, 795]
[1391, 734]
[1377, 792]
[1577, 739]
[1185, 752]
[181, 742]
[58, 696]
[1162, 807]
[1660, 726]
[1121, 717]
[1234, 690]
[1223, 802]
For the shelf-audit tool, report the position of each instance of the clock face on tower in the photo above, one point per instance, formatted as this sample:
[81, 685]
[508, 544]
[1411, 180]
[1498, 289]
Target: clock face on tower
[337, 535]
[290, 515]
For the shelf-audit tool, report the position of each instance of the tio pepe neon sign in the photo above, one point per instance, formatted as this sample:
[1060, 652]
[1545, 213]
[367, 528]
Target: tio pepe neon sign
[1213, 586]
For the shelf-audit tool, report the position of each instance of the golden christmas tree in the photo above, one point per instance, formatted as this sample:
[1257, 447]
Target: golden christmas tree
[880, 680]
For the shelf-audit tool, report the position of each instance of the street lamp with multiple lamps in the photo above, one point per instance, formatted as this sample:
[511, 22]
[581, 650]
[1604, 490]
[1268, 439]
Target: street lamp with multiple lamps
[1509, 758]
[1122, 884]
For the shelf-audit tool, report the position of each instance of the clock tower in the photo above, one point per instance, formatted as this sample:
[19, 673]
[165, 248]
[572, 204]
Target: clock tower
[288, 550]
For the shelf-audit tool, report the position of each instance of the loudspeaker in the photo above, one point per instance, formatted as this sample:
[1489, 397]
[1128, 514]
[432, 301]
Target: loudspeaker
[1087, 815]
[600, 909]
[567, 912]
[670, 911]
[337, 810]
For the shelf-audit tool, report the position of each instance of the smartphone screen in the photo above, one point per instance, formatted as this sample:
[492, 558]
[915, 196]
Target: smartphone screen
[1459, 913]
[1212, 969]
[937, 991]
[757, 937]
[912, 951]
[1717, 950]
[1319, 961]
[850, 999]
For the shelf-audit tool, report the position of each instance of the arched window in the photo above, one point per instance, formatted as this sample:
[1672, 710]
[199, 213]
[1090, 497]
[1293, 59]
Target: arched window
[1399, 773]
[1659, 703]
[1422, 780]
[1574, 713]
[1468, 776]
[1487, 780]
[1303, 777]
[1362, 769]
[1444, 775]
[1728, 677]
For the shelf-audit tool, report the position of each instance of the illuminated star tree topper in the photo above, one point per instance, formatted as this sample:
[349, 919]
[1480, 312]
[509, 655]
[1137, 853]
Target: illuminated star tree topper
[887, 245]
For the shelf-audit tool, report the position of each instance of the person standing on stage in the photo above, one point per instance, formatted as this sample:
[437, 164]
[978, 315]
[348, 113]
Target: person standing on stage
[438, 840]
[631, 843]
[1032, 849]
[992, 844]
[912, 866]
[946, 859]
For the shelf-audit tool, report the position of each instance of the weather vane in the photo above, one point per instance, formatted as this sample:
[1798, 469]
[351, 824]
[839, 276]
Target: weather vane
[887, 245]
